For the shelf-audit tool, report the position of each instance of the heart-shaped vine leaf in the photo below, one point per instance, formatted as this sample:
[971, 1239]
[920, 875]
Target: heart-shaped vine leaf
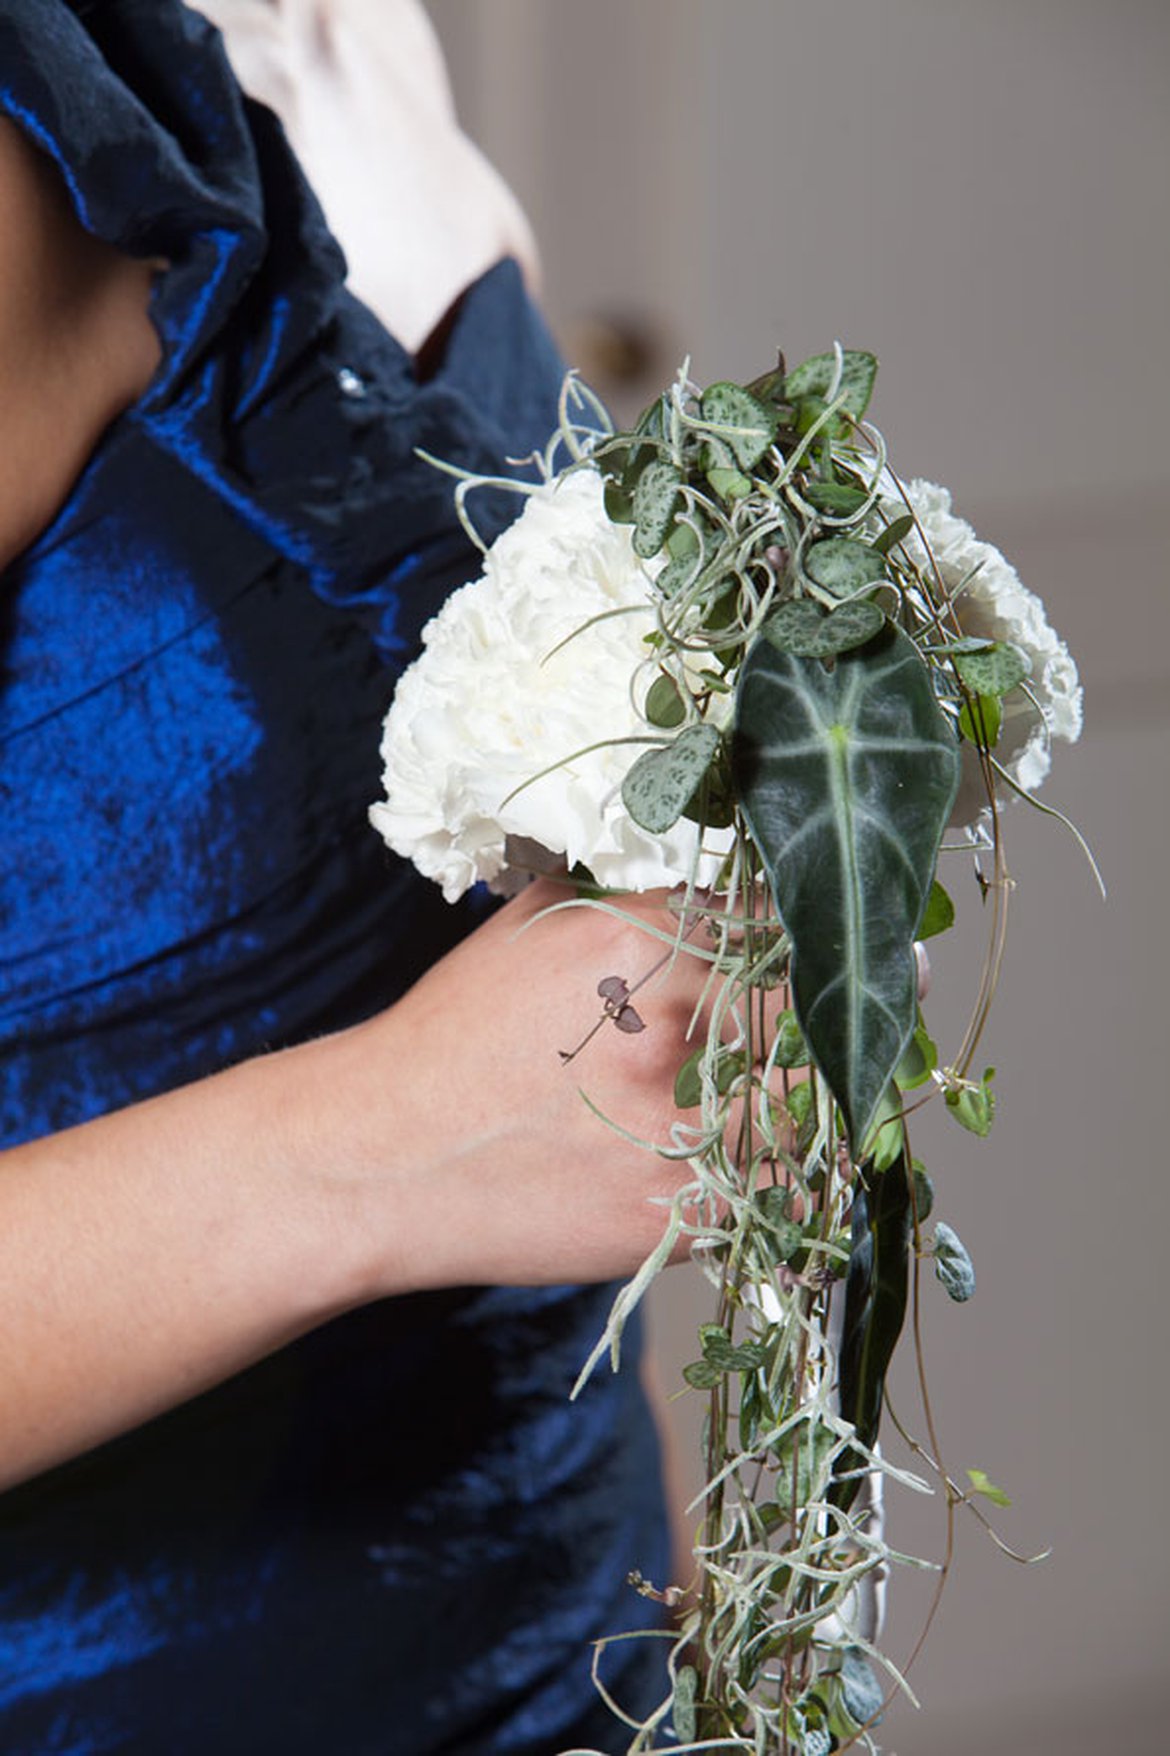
[655, 499]
[801, 627]
[953, 1264]
[659, 786]
[995, 670]
[815, 378]
[744, 424]
[846, 778]
[842, 565]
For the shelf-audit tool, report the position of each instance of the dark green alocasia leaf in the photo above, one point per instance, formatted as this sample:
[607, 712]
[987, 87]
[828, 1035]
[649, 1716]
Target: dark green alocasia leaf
[875, 1302]
[846, 779]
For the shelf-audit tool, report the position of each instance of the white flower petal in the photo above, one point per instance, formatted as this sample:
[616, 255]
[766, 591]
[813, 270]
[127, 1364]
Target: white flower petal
[495, 698]
[994, 604]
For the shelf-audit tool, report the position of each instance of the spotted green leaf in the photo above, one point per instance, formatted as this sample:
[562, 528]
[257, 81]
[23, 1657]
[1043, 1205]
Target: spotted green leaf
[683, 1710]
[842, 565]
[995, 670]
[846, 779]
[655, 499]
[743, 423]
[952, 1264]
[860, 1689]
[658, 787]
[814, 377]
[801, 627]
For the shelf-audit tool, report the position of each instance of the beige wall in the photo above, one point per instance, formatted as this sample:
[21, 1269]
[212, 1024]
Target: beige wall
[977, 189]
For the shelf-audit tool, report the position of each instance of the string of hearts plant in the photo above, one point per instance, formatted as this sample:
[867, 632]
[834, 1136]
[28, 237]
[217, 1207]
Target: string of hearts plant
[730, 651]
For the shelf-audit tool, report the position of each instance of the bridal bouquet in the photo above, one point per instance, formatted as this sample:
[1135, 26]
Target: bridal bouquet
[732, 652]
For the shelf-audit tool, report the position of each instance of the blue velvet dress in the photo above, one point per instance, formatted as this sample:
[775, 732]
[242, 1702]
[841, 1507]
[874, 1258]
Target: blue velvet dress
[396, 1536]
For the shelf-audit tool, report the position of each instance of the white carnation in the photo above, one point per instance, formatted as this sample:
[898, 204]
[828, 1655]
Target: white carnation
[995, 605]
[495, 698]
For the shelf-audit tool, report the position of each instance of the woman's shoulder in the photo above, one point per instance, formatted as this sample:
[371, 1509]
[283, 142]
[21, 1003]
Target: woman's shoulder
[76, 342]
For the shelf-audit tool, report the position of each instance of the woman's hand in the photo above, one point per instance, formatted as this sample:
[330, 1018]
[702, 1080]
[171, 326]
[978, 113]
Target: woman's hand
[508, 1175]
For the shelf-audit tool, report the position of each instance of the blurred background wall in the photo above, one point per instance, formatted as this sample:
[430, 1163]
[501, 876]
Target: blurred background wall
[977, 190]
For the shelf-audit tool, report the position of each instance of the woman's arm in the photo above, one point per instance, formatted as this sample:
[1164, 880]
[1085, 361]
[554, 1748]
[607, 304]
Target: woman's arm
[151, 1253]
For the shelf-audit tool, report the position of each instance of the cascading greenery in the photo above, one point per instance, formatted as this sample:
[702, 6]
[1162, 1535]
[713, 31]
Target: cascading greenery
[811, 689]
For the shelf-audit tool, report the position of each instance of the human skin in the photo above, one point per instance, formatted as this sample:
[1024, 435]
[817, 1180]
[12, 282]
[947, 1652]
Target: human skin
[155, 1251]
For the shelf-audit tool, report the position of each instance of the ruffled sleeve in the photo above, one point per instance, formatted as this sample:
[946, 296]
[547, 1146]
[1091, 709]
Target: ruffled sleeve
[277, 388]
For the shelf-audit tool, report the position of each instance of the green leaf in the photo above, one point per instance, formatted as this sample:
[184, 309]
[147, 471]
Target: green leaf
[814, 377]
[875, 1303]
[799, 1103]
[846, 780]
[729, 484]
[688, 1082]
[660, 784]
[837, 499]
[981, 1483]
[939, 914]
[679, 572]
[702, 1375]
[886, 1136]
[802, 628]
[919, 1061]
[952, 1264]
[744, 424]
[619, 505]
[860, 1689]
[792, 1050]
[923, 1192]
[664, 704]
[682, 1707]
[719, 1350]
[895, 532]
[979, 721]
[751, 1409]
[994, 670]
[973, 1106]
[655, 499]
[842, 565]
[804, 1450]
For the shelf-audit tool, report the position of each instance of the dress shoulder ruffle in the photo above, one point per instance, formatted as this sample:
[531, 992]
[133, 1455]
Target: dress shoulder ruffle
[277, 388]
